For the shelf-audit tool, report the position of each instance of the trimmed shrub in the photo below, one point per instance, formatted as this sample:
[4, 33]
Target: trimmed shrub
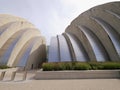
[104, 65]
[82, 66]
[65, 66]
[96, 65]
[48, 66]
[4, 67]
[111, 65]
[62, 66]
[57, 66]
[68, 66]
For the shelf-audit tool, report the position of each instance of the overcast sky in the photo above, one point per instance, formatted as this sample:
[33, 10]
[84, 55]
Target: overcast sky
[51, 17]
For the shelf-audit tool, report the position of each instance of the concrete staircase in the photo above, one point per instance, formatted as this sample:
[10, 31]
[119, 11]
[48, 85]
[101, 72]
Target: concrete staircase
[12, 74]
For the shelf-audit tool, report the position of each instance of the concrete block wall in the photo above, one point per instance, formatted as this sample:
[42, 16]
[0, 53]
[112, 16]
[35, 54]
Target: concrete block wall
[95, 74]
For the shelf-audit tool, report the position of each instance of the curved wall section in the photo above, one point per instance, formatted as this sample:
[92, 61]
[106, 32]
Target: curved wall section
[98, 49]
[93, 36]
[78, 48]
[114, 36]
[23, 59]
[64, 49]
[21, 43]
[54, 55]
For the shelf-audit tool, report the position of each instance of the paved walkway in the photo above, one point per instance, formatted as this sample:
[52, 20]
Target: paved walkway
[73, 84]
[81, 84]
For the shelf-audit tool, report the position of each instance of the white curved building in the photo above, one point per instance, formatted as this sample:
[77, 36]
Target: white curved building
[92, 36]
[21, 44]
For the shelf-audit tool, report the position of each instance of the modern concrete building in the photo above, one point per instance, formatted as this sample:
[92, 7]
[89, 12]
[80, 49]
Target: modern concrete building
[21, 44]
[93, 36]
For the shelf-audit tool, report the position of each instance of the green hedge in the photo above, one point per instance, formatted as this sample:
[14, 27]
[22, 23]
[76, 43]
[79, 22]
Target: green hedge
[96, 65]
[56, 66]
[80, 66]
[111, 65]
[104, 65]
[4, 67]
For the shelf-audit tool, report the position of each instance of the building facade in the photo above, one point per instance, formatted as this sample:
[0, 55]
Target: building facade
[21, 44]
[93, 36]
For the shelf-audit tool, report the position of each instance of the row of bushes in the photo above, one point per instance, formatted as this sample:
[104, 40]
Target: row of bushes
[4, 67]
[80, 66]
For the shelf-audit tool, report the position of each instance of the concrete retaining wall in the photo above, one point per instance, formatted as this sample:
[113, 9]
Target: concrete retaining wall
[92, 74]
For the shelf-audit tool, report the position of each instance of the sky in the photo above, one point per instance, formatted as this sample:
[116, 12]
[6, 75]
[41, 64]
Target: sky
[51, 17]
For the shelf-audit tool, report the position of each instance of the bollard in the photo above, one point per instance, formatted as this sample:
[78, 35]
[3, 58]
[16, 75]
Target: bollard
[2, 75]
[13, 75]
[24, 75]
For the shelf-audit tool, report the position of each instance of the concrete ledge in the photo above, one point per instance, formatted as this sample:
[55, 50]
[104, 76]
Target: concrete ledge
[90, 74]
[9, 69]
